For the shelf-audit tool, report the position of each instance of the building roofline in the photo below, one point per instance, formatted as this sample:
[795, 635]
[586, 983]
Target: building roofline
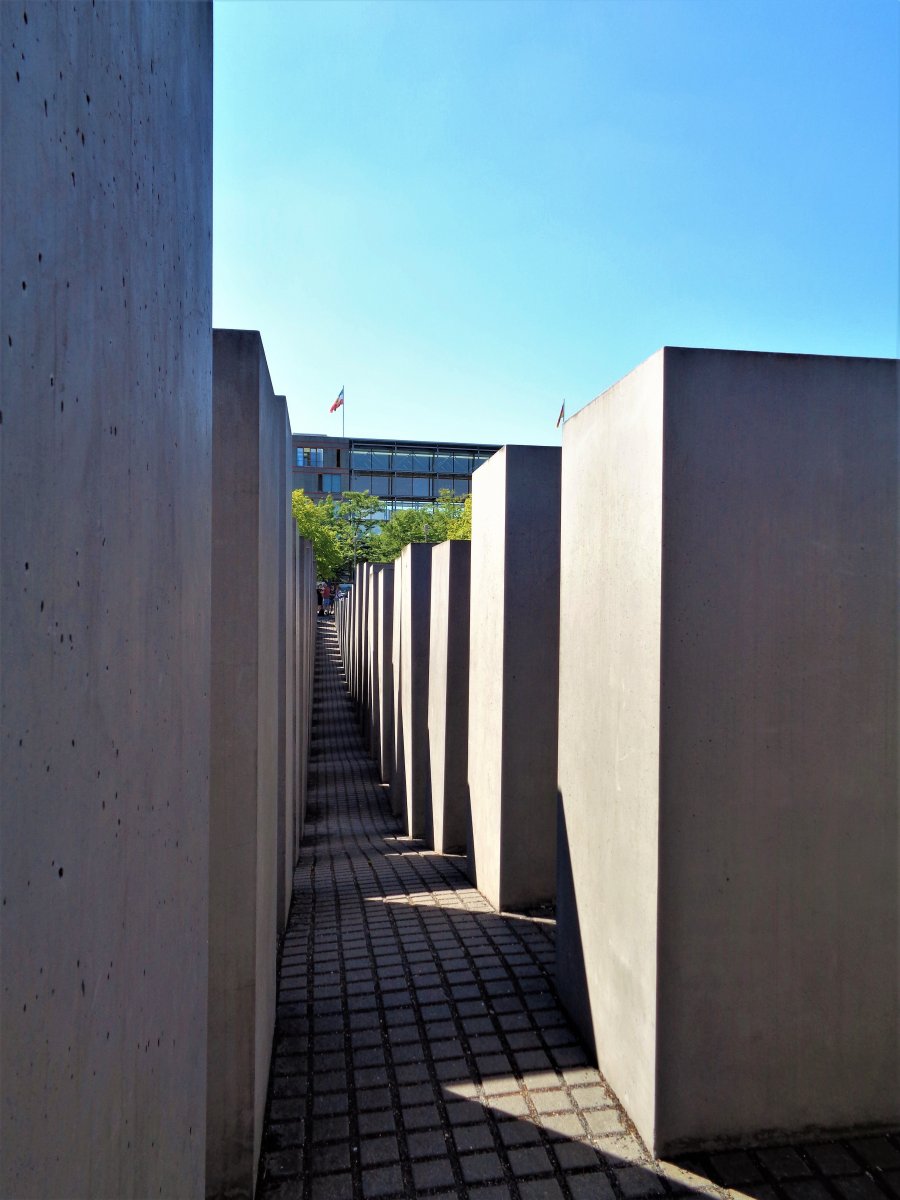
[413, 442]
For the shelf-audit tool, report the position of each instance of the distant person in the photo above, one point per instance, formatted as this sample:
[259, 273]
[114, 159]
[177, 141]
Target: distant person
[327, 597]
[319, 601]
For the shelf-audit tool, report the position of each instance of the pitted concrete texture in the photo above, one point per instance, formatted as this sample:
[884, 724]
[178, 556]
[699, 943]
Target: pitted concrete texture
[105, 493]
[420, 1049]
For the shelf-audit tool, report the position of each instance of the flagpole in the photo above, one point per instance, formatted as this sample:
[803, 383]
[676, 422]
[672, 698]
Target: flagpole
[344, 417]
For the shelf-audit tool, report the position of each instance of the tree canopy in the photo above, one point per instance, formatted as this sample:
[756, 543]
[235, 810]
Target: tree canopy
[449, 518]
[346, 531]
[316, 523]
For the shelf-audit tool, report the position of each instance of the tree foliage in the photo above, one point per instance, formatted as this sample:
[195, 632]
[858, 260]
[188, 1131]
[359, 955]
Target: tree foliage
[355, 518]
[460, 528]
[316, 522]
[448, 518]
[347, 531]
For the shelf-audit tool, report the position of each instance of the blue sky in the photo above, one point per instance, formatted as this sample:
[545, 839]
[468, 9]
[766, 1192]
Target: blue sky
[465, 212]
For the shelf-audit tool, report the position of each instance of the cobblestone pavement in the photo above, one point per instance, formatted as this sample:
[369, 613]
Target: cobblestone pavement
[420, 1050]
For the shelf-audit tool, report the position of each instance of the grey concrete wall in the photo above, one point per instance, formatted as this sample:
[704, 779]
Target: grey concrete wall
[373, 710]
[611, 582]
[398, 758]
[303, 684]
[513, 677]
[415, 618]
[385, 745]
[761, 496]
[307, 636]
[105, 483]
[364, 676]
[248, 446]
[448, 695]
[285, 812]
[346, 609]
[359, 621]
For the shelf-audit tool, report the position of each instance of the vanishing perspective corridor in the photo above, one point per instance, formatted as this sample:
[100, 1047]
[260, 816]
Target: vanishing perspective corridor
[420, 1049]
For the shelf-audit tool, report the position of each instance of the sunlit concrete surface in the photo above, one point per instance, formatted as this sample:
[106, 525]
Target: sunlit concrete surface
[420, 1048]
[513, 675]
[105, 495]
[729, 903]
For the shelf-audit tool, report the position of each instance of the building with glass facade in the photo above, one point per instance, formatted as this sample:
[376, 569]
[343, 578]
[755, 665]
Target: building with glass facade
[403, 474]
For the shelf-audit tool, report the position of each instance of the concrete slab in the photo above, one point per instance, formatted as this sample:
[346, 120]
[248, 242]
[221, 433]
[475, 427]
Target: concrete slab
[373, 708]
[591, 1147]
[307, 633]
[385, 745]
[727, 918]
[415, 617]
[448, 696]
[398, 763]
[105, 492]
[358, 595]
[513, 675]
[248, 446]
[365, 678]
[285, 813]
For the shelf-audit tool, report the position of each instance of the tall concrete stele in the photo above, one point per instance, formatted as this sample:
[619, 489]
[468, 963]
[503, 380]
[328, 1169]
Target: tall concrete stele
[415, 618]
[385, 748]
[155, 660]
[514, 647]
[253, 813]
[448, 696]
[106, 146]
[728, 900]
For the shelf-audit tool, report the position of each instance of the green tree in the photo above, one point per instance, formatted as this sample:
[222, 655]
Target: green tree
[460, 526]
[316, 522]
[444, 519]
[356, 515]
[404, 525]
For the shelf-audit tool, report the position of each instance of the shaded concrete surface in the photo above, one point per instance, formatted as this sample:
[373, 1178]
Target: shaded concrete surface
[245, 795]
[448, 695]
[415, 640]
[420, 1049]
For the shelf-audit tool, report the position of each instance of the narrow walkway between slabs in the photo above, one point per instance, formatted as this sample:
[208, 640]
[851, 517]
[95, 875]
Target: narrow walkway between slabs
[420, 1050]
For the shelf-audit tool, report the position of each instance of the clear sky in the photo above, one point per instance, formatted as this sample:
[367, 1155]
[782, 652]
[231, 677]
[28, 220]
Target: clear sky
[465, 212]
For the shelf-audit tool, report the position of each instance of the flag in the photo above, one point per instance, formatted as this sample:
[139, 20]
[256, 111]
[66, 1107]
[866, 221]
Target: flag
[562, 415]
[337, 404]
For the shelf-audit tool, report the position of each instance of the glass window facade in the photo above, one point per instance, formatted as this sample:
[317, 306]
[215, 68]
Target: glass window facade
[402, 474]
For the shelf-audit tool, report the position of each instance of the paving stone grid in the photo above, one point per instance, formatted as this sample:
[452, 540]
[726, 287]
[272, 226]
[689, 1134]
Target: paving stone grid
[420, 1050]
